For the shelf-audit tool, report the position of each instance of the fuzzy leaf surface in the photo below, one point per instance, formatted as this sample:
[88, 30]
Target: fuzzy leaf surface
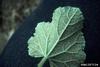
[61, 40]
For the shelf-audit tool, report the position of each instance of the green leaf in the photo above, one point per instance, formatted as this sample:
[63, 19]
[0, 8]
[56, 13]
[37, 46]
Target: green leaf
[61, 40]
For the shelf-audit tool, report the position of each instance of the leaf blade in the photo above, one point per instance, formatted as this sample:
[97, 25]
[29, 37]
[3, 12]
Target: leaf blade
[60, 38]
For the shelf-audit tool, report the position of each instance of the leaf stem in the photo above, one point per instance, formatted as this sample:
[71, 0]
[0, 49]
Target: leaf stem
[42, 62]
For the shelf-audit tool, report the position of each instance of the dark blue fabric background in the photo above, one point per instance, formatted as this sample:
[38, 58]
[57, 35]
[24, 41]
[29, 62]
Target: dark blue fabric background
[15, 53]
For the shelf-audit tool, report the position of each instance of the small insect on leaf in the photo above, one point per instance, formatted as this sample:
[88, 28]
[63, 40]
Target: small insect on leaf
[61, 40]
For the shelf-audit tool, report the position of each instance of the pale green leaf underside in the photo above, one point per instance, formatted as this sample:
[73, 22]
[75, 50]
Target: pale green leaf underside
[61, 40]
